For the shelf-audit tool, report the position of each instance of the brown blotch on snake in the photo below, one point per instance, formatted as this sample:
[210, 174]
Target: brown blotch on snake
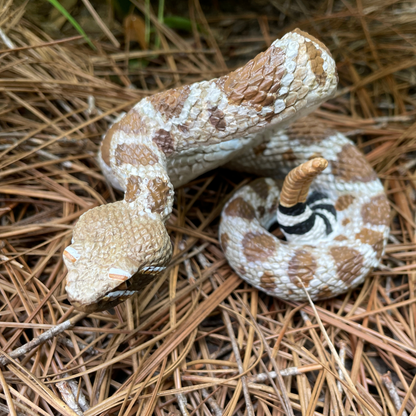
[267, 280]
[308, 36]
[258, 247]
[377, 211]
[303, 266]
[225, 239]
[348, 263]
[132, 188]
[343, 202]
[238, 207]
[351, 166]
[373, 238]
[259, 149]
[289, 156]
[311, 130]
[261, 211]
[317, 63]
[274, 205]
[170, 103]
[158, 194]
[131, 123]
[216, 118]
[260, 187]
[164, 142]
[340, 238]
[325, 293]
[256, 83]
[135, 154]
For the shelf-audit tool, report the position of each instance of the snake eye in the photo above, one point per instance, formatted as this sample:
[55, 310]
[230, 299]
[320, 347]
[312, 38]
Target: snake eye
[71, 254]
[119, 274]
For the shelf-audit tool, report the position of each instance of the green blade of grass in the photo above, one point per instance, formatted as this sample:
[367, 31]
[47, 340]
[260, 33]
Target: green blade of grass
[73, 22]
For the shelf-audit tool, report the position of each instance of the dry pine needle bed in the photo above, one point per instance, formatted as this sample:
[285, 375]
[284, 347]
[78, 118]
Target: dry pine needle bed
[198, 341]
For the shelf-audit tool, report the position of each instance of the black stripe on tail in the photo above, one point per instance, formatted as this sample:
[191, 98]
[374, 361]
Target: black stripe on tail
[300, 228]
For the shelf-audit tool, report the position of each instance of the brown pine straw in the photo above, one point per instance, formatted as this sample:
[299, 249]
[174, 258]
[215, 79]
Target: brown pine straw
[198, 341]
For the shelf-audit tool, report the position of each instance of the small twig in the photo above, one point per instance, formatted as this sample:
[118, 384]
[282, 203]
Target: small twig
[182, 402]
[212, 402]
[41, 339]
[391, 388]
[68, 397]
[342, 349]
[78, 394]
[290, 371]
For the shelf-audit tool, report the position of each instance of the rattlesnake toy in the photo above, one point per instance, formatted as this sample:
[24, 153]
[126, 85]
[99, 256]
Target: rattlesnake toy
[332, 208]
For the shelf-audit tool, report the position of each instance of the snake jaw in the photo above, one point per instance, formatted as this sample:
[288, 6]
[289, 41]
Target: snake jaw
[97, 281]
[93, 289]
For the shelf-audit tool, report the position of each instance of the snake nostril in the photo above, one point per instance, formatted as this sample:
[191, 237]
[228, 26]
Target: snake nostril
[71, 254]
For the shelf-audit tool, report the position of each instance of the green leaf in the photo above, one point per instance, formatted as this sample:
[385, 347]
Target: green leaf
[74, 23]
[178, 22]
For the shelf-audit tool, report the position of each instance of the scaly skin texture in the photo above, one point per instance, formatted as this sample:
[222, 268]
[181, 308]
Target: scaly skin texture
[172, 137]
[347, 193]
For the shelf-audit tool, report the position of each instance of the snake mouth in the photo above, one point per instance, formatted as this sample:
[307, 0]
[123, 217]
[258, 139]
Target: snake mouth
[127, 287]
[109, 300]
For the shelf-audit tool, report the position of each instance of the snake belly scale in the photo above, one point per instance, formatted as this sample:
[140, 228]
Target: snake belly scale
[335, 222]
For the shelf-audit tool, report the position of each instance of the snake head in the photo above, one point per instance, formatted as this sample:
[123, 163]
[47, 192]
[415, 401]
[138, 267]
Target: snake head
[114, 253]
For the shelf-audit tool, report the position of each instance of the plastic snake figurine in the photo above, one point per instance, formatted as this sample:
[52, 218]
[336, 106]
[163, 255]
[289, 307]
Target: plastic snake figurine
[335, 232]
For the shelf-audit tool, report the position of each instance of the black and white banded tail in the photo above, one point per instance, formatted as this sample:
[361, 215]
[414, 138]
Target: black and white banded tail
[310, 220]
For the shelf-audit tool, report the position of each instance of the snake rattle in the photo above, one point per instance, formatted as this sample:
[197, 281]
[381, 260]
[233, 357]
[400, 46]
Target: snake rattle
[332, 208]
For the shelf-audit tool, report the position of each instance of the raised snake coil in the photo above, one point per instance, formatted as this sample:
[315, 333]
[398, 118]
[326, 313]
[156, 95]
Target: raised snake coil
[333, 239]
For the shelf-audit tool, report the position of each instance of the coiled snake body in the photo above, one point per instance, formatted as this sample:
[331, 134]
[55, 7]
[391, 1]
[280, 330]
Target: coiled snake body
[333, 238]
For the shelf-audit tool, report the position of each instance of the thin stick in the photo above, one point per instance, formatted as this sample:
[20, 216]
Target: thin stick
[41, 339]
